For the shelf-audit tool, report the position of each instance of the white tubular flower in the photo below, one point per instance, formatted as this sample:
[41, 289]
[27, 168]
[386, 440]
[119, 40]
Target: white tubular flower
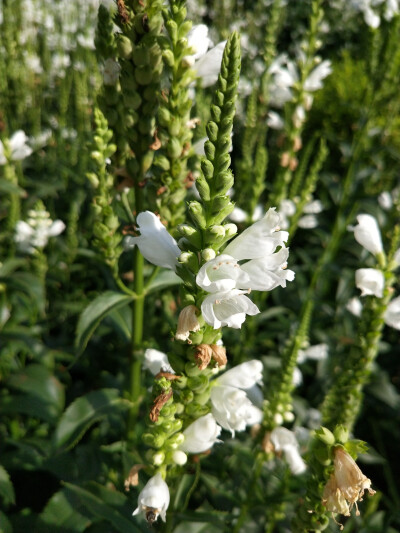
[35, 233]
[318, 352]
[228, 308]
[392, 314]
[156, 361]
[385, 200]
[199, 41]
[314, 80]
[370, 281]
[354, 306]
[18, 148]
[201, 435]
[243, 376]
[153, 499]
[232, 409]
[275, 121]
[259, 240]
[367, 234]
[221, 274]
[154, 242]
[208, 66]
[285, 441]
[269, 272]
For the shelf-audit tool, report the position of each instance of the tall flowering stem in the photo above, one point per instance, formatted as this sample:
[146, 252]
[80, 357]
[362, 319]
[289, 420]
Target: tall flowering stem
[343, 401]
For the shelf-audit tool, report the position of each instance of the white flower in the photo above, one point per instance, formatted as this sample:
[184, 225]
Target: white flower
[201, 435]
[231, 407]
[367, 234]
[392, 313]
[354, 306]
[156, 361]
[208, 66]
[318, 352]
[385, 200]
[154, 242]
[227, 308]
[285, 441]
[313, 82]
[370, 281]
[205, 63]
[153, 499]
[35, 233]
[199, 41]
[227, 280]
[287, 208]
[243, 376]
[17, 146]
[275, 121]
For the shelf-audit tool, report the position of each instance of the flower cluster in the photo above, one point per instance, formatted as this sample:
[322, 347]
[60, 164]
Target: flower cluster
[16, 149]
[34, 234]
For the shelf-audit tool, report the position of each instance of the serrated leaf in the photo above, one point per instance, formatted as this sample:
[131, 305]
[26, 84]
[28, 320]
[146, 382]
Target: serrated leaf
[6, 487]
[62, 514]
[95, 312]
[165, 278]
[83, 413]
[107, 505]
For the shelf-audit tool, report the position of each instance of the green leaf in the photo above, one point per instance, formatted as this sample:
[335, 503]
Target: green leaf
[165, 278]
[37, 380]
[83, 413]
[5, 526]
[31, 285]
[8, 187]
[111, 506]
[9, 266]
[62, 514]
[95, 312]
[6, 488]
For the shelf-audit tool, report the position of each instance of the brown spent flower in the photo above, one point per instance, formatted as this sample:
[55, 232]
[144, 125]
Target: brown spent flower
[346, 485]
[187, 322]
[133, 477]
[205, 352]
[158, 404]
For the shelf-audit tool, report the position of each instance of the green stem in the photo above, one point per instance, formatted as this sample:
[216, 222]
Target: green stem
[135, 370]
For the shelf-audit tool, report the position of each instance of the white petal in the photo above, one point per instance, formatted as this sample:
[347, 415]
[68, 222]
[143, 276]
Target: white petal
[368, 234]
[155, 243]
[155, 361]
[201, 435]
[221, 274]
[259, 240]
[370, 281]
[56, 228]
[392, 313]
[227, 309]
[243, 376]
[198, 40]
[207, 67]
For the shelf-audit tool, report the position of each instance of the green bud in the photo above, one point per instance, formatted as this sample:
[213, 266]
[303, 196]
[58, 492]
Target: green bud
[223, 162]
[131, 118]
[140, 24]
[208, 254]
[197, 214]
[164, 116]
[321, 453]
[179, 408]
[155, 24]
[185, 28]
[93, 179]
[215, 113]
[225, 182]
[147, 125]
[212, 131]
[175, 441]
[203, 397]
[209, 150]
[147, 161]
[191, 234]
[143, 75]
[132, 99]
[158, 458]
[174, 148]
[196, 410]
[230, 229]
[324, 435]
[198, 384]
[154, 440]
[219, 98]
[196, 337]
[215, 233]
[169, 58]
[172, 30]
[341, 434]
[174, 127]
[124, 46]
[192, 370]
[162, 162]
[190, 260]
[207, 168]
[203, 189]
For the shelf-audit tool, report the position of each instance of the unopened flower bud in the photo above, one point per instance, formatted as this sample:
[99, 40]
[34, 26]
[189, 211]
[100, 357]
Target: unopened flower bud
[187, 322]
[208, 254]
[179, 457]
